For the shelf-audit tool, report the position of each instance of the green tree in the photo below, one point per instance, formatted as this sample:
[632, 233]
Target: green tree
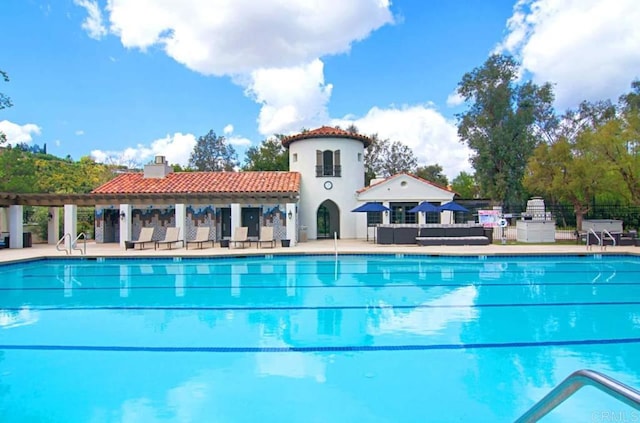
[4, 103]
[385, 158]
[268, 156]
[177, 168]
[503, 125]
[433, 173]
[570, 169]
[213, 154]
[17, 171]
[618, 141]
[465, 186]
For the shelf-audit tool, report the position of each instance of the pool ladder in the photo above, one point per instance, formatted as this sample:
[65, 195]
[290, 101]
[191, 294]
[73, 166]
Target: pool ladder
[73, 245]
[603, 235]
[572, 384]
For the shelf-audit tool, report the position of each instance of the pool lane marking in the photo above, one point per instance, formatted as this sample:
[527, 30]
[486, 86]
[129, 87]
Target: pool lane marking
[332, 307]
[314, 273]
[339, 348]
[388, 285]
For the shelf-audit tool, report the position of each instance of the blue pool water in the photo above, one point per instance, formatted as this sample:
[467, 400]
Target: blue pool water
[314, 339]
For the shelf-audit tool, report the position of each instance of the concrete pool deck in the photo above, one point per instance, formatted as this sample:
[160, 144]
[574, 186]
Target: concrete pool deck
[344, 246]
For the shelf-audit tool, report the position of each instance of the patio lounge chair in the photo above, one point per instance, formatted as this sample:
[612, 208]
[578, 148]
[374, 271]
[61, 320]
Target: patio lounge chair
[202, 237]
[146, 235]
[266, 236]
[170, 238]
[240, 237]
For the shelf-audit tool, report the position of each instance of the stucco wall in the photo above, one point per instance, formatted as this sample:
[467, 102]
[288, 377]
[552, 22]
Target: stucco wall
[312, 190]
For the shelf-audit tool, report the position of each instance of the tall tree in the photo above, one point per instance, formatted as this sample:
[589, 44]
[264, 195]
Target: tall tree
[433, 173]
[618, 141]
[465, 185]
[270, 155]
[384, 158]
[213, 154]
[4, 103]
[571, 168]
[503, 125]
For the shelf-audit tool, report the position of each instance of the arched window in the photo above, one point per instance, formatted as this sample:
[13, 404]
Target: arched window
[328, 163]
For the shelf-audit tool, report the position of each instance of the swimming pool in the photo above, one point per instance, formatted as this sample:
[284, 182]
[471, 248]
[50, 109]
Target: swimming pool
[378, 338]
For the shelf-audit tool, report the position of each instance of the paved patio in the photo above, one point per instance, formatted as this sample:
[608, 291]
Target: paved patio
[343, 246]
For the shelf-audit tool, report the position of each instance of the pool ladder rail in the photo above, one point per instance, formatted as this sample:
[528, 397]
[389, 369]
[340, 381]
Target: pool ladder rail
[601, 238]
[72, 245]
[572, 384]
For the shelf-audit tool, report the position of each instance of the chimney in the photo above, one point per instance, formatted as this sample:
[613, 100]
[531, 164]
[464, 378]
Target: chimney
[158, 169]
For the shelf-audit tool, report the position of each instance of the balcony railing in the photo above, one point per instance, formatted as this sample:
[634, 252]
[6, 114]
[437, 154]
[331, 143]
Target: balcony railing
[328, 171]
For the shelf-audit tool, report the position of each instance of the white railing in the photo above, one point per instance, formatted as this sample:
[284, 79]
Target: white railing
[72, 245]
[62, 241]
[572, 384]
[606, 232]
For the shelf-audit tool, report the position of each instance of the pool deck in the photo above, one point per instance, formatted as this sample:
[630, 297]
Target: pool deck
[344, 246]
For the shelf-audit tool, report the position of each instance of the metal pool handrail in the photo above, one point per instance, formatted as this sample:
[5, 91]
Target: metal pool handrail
[61, 240]
[572, 384]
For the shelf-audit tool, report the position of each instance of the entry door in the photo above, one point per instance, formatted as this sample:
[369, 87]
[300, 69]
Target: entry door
[225, 223]
[111, 228]
[324, 223]
[250, 217]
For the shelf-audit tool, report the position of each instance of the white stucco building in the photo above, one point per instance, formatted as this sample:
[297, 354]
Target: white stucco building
[313, 200]
[331, 165]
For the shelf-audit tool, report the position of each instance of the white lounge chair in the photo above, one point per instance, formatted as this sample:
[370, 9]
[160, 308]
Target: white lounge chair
[171, 237]
[266, 236]
[240, 237]
[146, 237]
[202, 237]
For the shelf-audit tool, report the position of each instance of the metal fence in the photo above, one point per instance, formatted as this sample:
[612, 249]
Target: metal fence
[563, 215]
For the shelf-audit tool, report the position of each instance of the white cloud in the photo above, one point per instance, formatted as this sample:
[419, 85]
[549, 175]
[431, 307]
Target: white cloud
[19, 133]
[291, 98]
[239, 141]
[93, 22]
[588, 48]
[270, 47]
[79, 132]
[454, 99]
[433, 139]
[176, 148]
[228, 129]
[238, 36]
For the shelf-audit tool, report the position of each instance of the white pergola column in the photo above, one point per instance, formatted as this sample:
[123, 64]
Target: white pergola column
[292, 219]
[70, 224]
[386, 216]
[15, 226]
[125, 223]
[53, 228]
[4, 220]
[181, 220]
[236, 217]
[446, 217]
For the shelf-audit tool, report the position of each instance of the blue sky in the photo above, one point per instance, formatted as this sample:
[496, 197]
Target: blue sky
[124, 80]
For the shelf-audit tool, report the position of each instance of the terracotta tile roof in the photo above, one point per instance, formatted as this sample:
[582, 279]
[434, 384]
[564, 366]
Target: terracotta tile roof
[326, 132]
[204, 182]
[424, 181]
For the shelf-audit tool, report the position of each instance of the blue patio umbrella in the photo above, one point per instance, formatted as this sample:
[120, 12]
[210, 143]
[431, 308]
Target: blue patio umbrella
[371, 207]
[452, 206]
[423, 207]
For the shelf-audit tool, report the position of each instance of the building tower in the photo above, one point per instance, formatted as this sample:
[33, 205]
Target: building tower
[331, 165]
